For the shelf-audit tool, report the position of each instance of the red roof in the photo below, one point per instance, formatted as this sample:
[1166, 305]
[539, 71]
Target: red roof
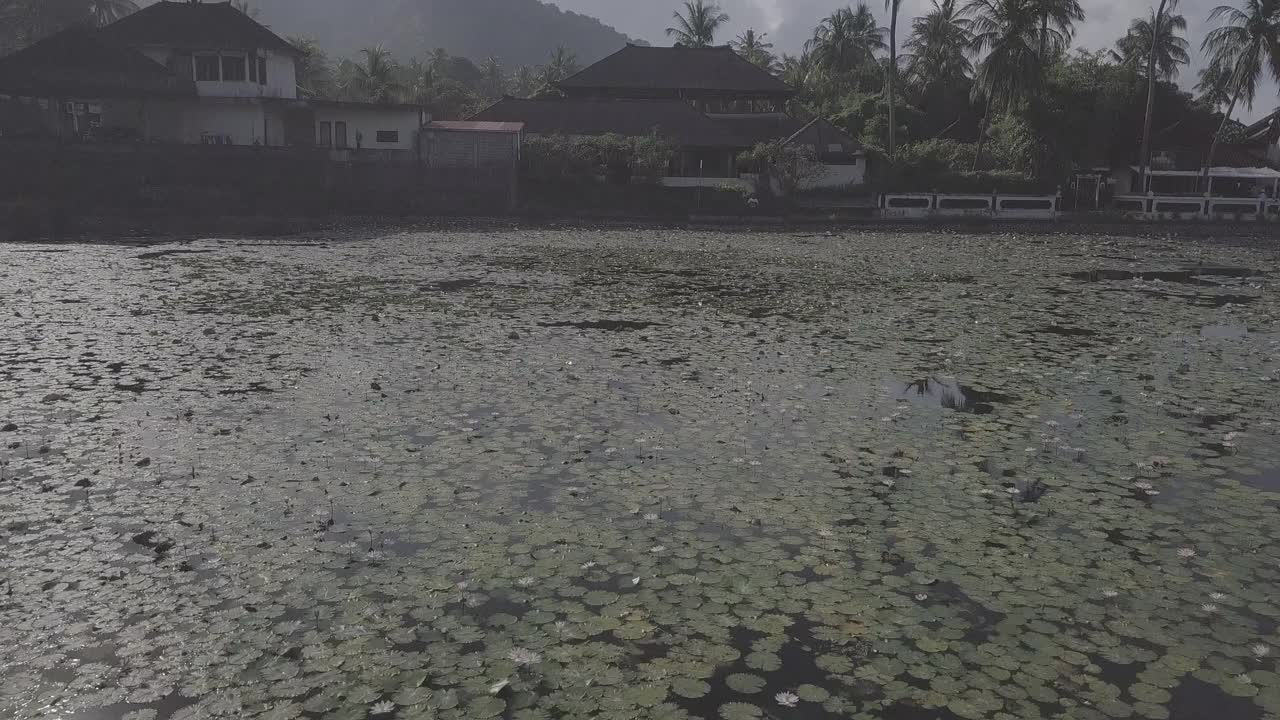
[476, 126]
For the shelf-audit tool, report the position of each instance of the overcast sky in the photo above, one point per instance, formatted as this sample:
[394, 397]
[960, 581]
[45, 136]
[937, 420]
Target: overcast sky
[790, 22]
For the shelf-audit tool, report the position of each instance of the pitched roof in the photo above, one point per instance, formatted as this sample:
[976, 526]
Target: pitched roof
[636, 67]
[211, 26]
[675, 120]
[77, 61]
[766, 127]
[475, 126]
[1265, 130]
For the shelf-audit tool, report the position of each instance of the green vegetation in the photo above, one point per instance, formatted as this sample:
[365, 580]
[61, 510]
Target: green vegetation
[655, 475]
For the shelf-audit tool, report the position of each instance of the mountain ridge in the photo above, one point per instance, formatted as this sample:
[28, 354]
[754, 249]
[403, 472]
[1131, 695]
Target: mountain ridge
[517, 32]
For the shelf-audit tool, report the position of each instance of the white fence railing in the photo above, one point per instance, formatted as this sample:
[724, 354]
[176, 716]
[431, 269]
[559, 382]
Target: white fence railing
[908, 205]
[1191, 208]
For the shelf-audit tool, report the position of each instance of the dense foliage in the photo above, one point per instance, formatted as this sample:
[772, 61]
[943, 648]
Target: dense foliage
[557, 159]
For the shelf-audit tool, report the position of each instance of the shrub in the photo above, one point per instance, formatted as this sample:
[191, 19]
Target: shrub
[791, 165]
[579, 159]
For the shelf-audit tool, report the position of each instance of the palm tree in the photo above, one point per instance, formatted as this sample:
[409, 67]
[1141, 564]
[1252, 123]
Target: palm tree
[846, 41]
[524, 82]
[891, 77]
[797, 70]
[938, 49]
[561, 65]
[1212, 85]
[419, 81]
[1057, 24]
[758, 52]
[23, 22]
[1246, 45]
[1145, 160]
[1171, 47]
[1008, 31]
[105, 12]
[376, 76]
[312, 72]
[492, 78]
[697, 27]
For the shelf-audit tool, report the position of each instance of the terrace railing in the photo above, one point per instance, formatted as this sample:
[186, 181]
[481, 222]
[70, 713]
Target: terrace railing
[1191, 208]
[917, 205]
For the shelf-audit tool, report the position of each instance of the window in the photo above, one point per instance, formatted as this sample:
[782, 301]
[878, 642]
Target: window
[233, 68]
[326, 134]
[253, 69]
[340, 134]
[262, 71]
[207, 68]
[388, 136]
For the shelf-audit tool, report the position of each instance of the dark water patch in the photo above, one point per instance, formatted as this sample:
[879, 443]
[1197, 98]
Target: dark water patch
[164, 253]
[607, 325]
[254, 388]
[682, 360]
[1196, 699]
[1224, 332]
[954, 396]
[1064, 331]
[1122, 675]
[909, 711]
[448, 286]
[1188, 276]
[1268, 481]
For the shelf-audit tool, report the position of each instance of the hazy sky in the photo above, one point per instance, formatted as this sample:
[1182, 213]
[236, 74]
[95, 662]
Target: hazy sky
[790, 22]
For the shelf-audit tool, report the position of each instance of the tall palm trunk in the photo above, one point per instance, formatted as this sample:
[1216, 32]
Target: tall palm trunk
[1213, 146]
[982, 134]
[893, 76]
[1044, 41]
[1145, 160]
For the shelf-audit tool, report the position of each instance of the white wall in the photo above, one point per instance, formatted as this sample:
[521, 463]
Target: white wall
[368, 120]
[281, 75]
[839, 176]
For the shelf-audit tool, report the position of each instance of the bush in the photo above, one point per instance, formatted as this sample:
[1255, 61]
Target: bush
[791, 165]
[563, 159]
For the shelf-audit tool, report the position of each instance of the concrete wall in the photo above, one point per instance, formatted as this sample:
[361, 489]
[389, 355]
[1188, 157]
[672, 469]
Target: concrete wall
[281, 82]
[839, 176]
[448, 148]
[364, 123]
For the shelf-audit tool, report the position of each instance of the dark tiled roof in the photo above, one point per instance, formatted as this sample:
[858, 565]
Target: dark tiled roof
[1265, 130]
[677, 68]
[768, 127]
[1227, 155]
[207, 26]
[675, 120]
[78, 62]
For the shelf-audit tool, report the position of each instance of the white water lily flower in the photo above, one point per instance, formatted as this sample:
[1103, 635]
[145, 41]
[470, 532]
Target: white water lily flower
[524, 656]
[383, 708]
[1186, 552]
[787, 698]
[1260, 650]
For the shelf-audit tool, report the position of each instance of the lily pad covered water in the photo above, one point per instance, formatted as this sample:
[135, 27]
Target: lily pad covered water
[649, 474]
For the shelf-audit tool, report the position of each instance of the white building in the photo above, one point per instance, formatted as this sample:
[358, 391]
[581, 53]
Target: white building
[191, 73]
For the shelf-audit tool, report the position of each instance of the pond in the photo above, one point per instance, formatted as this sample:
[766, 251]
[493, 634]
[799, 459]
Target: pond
[583, 473]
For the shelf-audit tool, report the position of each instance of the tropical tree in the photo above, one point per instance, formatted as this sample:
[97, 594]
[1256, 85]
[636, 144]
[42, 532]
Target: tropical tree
[419, 80]
[1170, 46]
[105, 12]
[797, 70]
[1244, 48]
[1008, 32]
[23, 22]
[312, 72]
[493, 80]
[891, 77]
[847, 40]
[1145, 160]
[561, 65]
[376, 76]
[939, 46]
[243, 6]
[758, 52]
[524, 82]
[1213, 86]
[1057, 24]
[697, 26]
